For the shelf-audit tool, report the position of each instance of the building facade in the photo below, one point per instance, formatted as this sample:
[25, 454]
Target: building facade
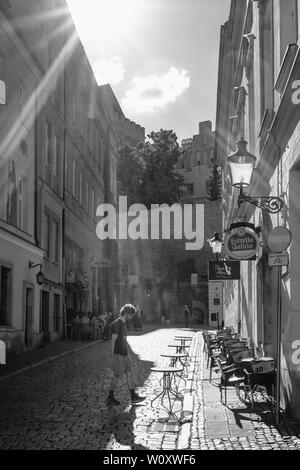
[19, 314]
[58, 155]
[196, 166]
[259, 69]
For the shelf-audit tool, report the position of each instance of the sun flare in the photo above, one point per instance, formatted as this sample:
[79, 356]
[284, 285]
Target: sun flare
[104, 19]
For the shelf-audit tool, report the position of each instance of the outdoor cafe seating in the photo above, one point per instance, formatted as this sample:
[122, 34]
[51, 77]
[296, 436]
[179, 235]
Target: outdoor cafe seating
[238, 366]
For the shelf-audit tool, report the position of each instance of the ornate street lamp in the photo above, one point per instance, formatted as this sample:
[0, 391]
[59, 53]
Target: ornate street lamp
[241, 164]
[40, 277]
[216, 244]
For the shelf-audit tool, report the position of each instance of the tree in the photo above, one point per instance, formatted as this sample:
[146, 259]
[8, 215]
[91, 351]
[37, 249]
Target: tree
[214, 184]
[147, 173]
[130, 173]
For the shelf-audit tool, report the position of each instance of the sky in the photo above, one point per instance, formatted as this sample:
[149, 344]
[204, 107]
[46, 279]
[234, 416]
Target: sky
[159, 56]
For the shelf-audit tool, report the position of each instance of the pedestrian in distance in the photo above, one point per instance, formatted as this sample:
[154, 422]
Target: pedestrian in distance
[120, 356]
[186, 313]
[168, 314]
[163, 314]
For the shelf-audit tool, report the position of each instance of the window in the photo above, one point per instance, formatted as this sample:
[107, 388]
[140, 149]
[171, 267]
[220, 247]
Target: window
[74, 179]
[214, 317]
[216, 301]
[87, 197]
[266, 55]
[81, 188]
[55, 155]
[190, 189]
[55, 231]
[21, 101]
[47, 235]
[56, 312]
[5, 295]
[93, 204]
[66, 171]
[48, 143]
[20, 204]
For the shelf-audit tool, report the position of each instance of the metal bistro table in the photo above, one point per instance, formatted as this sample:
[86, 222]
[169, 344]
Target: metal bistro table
[183, 344]
[177, 360]
[167, 386]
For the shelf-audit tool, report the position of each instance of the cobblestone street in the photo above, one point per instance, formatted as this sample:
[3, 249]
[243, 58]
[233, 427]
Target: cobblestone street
[61, 405]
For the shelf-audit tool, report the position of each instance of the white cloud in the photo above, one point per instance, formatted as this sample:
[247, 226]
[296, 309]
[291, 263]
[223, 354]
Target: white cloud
[109, 71]
[155, 92]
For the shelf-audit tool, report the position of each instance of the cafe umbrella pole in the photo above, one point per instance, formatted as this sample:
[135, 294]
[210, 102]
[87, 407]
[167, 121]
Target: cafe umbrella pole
[278, 374]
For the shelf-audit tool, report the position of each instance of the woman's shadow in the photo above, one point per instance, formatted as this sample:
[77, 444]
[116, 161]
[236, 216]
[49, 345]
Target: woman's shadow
[117, 421]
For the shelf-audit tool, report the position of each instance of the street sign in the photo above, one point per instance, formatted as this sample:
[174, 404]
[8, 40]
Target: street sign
[223, 270]
[279, 239]
[101, 263]
[278, 259]
[133, 279]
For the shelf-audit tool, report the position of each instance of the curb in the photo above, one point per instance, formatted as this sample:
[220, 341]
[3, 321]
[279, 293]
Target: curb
[48, 359]
[188, 401]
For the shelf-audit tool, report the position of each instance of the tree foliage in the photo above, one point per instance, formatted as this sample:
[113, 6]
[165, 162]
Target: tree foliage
[214, 184]
[147, 173]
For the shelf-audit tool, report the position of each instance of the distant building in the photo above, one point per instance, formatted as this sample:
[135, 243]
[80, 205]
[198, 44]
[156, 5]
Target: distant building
[196, 162]
[130, 132]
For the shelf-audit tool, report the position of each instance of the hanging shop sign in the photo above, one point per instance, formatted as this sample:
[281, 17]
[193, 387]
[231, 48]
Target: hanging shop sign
[279, 239]
[241, 243]
[223, 270]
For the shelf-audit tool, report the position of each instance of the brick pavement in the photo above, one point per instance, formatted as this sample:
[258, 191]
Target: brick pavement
[61, 403]
[214, 426]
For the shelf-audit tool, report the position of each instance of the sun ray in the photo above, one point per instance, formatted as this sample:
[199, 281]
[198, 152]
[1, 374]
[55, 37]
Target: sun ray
[36, 101]
[61, 29]
[27, 21]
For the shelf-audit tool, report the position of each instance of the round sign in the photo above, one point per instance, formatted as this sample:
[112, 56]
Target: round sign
[242, 243]
[279, 239]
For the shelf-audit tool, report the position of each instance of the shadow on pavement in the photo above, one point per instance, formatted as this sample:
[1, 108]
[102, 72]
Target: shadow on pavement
[119, 430]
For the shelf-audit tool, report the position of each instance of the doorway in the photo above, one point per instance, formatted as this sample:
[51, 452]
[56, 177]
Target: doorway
[28, 333]
[45, 316]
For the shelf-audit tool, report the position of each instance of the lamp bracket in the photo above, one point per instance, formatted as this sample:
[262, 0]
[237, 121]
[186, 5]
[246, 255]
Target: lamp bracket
[273, 205]
[32, 265]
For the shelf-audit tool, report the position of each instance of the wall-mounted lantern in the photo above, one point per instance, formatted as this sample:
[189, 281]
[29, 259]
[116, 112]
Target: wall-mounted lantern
[40, 277]
[241, 164]
[216, 244]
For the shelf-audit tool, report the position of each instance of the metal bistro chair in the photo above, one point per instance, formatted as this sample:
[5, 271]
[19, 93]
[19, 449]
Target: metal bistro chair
[261, 372]
[236, 356]
[230, 377]
[215, 353]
